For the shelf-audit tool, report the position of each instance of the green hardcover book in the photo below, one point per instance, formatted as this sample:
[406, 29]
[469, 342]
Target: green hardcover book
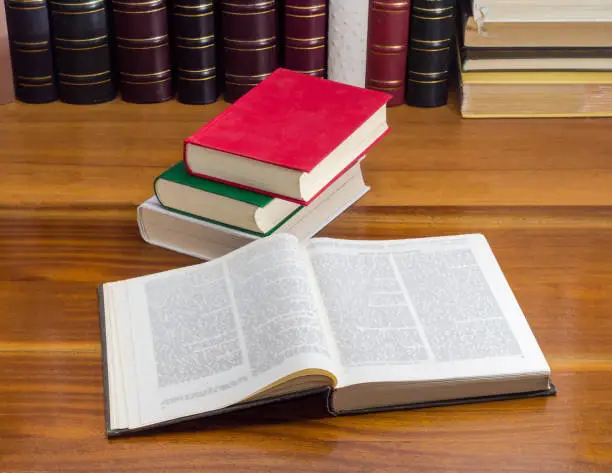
[234, 207]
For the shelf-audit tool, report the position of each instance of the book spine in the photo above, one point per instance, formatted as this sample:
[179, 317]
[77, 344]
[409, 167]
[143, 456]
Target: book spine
[7, 93]
[432, 27]
[82, 52]
[388, 48]
[143, 50]
[249, 44]
[347, 41]
[194, 44]
[32, 57]
[305, 36]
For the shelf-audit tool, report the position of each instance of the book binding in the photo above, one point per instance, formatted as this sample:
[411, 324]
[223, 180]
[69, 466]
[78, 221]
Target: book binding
[249, 45]
[388, 48]
[143, 50]
[82, 52]
[30, 44]
[305, 36]
[194, 45]
[432, 26]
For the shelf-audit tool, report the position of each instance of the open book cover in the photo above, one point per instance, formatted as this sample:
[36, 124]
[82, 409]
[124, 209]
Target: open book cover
[378, 325]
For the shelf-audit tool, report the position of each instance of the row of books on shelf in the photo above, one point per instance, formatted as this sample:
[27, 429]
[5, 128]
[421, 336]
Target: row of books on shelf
[241, 180]
[535, 58]
[83, 51]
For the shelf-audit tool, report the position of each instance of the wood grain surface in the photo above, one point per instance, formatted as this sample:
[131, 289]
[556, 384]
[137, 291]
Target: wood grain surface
[540, 190]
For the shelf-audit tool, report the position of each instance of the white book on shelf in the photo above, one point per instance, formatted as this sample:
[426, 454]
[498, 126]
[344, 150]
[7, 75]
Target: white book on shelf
[347, 41]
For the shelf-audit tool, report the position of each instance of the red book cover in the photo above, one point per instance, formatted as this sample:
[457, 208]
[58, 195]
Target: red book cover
[388, 47]
[291, 120]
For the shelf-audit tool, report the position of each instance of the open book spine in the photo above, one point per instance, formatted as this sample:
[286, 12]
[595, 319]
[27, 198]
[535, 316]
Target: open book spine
[249, 45]
[347, 46]
[432, 27]
[143, 50]
[305, 35]
[32, 59]
[388, 48]
[194, 43]
[6, 75]
[82, 52]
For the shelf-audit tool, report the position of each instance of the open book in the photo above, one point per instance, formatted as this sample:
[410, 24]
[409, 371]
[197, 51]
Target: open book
[381, 323]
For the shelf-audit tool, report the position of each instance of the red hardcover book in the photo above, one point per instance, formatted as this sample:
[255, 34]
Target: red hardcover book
[305, 33]
[388, 47]
[290, 136]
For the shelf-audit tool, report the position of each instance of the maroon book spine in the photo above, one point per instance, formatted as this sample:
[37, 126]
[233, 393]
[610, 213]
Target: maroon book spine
[388, 31]
[305, 35]
[143, 50]
[249, 44]
[7, 93]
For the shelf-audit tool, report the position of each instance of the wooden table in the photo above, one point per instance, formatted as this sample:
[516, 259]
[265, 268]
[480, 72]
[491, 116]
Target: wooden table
[540, 190]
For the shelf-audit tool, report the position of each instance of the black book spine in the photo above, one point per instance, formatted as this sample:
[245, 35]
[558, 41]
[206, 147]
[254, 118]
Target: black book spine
[32, 57]
[432, 27]
[194, 45]
[82, 52]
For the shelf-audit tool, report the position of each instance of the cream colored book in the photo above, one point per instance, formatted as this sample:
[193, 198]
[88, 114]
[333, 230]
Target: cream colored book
[536, 94]
[374, 325]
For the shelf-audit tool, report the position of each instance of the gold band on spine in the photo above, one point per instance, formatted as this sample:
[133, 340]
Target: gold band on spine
[31, 50]
[30, 43]
[148, 82]
[82, 49]
[251, 13]
[195, 47]
[260, 4]
[316, 15]
[433, 18]
[63, 74]
[145, 75]
[152, 38]
[248, 75]
[204, 5]
[256, 49]
[197, 70]
[142, 47]
[305, 48]
[199, 79]
[68, 40]
[427, 81]
[84, 84]
[315, 38]
[34, 77]
[78, 12]
[23, 84]
[141, 12]
[193, 15]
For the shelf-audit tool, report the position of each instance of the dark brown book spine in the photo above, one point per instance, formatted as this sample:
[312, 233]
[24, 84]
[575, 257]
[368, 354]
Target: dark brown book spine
[305, 36]
[32, 57]
[389, 21]
[249, 44]
[7, 92]
[82, 51]
[195, 52]
[432, 27]
[143, 50]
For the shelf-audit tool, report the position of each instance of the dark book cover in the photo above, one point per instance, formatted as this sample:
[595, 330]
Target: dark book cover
[143, 50]
[193, 24]
[30, 44]
[389, 23]
[305, 36]
[432, 27]
[249, 44]
[82, 51]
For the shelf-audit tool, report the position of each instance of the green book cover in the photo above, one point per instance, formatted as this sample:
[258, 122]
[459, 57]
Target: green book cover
[178, 173]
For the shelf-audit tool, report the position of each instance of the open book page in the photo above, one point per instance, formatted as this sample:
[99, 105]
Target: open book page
[208, 336]
[424, 309]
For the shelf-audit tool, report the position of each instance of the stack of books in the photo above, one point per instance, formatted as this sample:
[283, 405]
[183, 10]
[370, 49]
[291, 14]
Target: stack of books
[536, 58]
[284, 158]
